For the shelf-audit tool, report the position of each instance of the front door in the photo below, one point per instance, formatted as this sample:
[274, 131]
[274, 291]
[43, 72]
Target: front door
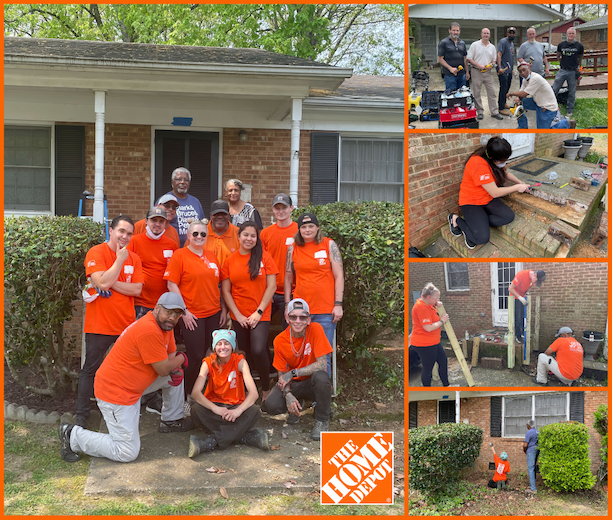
[196, 151]
[502, 274]
[522, 144]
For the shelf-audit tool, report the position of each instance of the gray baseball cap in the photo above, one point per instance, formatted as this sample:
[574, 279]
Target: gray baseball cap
[167, 198]
[297, 304]
[282, 198]
[157, 212]
[564, 330]
[171, 300]
[219, 206]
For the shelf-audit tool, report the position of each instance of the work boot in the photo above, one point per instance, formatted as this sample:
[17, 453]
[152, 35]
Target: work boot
[319, 426]
[66, 452]
[198, 445]
[294, 419]
[181, 425]
[505, 112]
[257, 439]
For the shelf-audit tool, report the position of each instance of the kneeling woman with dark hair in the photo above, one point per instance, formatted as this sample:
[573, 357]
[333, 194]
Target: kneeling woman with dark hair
[483, 182]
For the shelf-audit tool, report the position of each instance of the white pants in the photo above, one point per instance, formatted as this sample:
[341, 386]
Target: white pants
[122, 442]
[546, 363]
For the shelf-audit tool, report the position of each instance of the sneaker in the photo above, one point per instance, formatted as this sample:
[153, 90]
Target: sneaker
[504, 112]
[319, 426]
[455, 231]
[535, 380]
[572, 123]
[181, 425]
[66, 452]
[256, 438]
[531, 491]
[480, 117]
[292, 419]
[569, 114]
[497, 116]
[198, 445]
[155, 405]
[187, 407]
[81, 421]
[468, 242]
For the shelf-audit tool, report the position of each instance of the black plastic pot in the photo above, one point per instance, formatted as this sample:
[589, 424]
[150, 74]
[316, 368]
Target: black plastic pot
[586, 140]
[597, 336]
[572, 142]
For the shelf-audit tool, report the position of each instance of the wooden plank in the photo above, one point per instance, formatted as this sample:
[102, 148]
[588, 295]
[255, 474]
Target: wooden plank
[527, 357]
[464, 347]
[475, 350]
[456, 348]
[536, 325]
[511, 333]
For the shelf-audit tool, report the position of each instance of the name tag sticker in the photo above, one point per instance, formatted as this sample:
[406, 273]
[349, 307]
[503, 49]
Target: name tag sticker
[321, 254]
[289, 241]
[168, 253]
[128, 269]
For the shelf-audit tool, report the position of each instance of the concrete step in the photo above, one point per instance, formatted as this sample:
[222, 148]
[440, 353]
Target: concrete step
[497, 247]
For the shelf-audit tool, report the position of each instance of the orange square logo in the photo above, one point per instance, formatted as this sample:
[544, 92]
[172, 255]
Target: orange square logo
[357, 468]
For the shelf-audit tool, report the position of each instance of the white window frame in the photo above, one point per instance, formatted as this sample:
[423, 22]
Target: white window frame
[447, 278]
[533, 396]
[32, 213]
[370, 138]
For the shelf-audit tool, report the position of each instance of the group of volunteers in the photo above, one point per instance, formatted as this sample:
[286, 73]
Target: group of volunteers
[425, 339]
[176, 275]
[532, 66]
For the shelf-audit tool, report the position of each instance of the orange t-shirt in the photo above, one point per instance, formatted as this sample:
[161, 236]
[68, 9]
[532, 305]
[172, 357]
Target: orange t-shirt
[227, 385]
[316, 345]
[248, 293]
[154, 255]
[314, 279]
[126, 372]
[423, 314]
[522, 282]
[141, 226]
[276, 240]
[569, 357]
[110, 316]
[218, 248]
[476, 173]
[198, 280]
[229, 238]
[501, 468]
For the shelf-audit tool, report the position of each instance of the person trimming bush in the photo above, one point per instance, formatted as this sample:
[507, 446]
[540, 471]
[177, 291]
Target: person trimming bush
[502, 468]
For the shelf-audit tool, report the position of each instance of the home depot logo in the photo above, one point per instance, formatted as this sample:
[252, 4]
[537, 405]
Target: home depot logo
[356, 468]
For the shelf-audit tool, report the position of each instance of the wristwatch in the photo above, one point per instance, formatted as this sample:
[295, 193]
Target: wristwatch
[294, 373]
[260, 312]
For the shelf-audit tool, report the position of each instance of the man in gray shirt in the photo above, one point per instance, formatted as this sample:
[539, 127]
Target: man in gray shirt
[533, 49]
[505, 63]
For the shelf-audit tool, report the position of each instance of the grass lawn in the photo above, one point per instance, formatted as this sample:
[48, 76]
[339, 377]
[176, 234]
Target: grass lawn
[589, 112]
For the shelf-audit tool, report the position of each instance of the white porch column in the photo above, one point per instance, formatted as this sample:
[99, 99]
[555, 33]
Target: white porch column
[294, 164]
[100, 109]
[457, 406]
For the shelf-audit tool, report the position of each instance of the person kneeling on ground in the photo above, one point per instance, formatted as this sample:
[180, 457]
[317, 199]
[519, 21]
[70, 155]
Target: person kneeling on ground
[143, 360]
[568, 365]
[300, 356]
[542, 100]
[502, 467]
[223, 408]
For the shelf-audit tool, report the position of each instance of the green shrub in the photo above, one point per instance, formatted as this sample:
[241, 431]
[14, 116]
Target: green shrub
[438, 453]
[601, 426]
[43, 271]
[564, 456]
[370, 236]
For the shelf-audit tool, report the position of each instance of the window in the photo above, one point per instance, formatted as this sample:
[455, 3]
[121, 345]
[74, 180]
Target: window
[457, 276]
[372, 169]
[602, 35]
[576, 24]
[563, 37]
[27, 169]
[446, 412]
[545, 39]
[543, 408]
[413, 415]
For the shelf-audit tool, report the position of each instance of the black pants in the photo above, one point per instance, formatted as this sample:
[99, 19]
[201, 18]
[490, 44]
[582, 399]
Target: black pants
[477, 220]
[505, 80]
[317, 388]
[225, 432]
[197, 343]
[254, 343]
[493, 484]
[429, 356]
[141, 311]
[519, 309]
[278, 304]
[96, 346]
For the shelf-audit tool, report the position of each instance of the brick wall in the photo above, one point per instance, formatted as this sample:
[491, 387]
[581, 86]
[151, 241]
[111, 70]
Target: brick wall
[552, 141]
[477, 410]
[588, 38]
[574, 294]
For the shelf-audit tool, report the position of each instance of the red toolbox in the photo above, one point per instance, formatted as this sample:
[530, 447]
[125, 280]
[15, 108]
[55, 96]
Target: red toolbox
[457, 114]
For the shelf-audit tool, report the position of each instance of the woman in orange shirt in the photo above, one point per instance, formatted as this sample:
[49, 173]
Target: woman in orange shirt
[248, 282]
[223, 408]
[193, 272]
[483, 182]
[426, 333]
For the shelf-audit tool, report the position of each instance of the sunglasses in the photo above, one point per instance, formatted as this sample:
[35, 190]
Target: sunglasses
[200, 233]
[298, 318]
[174, 313]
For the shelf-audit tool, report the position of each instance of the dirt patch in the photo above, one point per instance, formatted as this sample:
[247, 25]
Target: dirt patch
[14, 464]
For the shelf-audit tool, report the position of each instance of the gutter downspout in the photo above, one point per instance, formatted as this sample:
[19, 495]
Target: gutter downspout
[100, 108]
[294, 164]
[457, 406]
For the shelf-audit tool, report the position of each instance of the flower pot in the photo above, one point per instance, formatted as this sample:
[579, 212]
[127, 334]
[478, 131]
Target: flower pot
[592, 339]
[587, 142]
[571, 151]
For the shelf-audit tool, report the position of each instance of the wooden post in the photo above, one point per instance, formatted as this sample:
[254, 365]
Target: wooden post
[510, 331]
[527, 358]
[536, 326]
[464, 346]
[475, 349]
[457, 348]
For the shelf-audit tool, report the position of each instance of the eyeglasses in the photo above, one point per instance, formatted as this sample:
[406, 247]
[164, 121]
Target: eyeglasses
[173, 313]
[298, 318]
[196, 233]
[182, 179]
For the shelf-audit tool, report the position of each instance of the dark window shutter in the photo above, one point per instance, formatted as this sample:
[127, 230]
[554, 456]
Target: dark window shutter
[69, 168]
[412, 415]
[446, 412]
[496, 416]
[577, 406]
[324, 149]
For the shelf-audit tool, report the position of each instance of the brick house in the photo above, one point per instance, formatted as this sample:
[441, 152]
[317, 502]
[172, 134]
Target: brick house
[435, 170]
[503, 415]
[117, 118]
[594, 34]
[475, 294]
[555, 34]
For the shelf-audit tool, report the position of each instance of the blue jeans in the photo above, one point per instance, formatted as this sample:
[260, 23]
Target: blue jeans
[531, 463]
[326, 321]
[544, 118]
[454, 82]
[505, 80]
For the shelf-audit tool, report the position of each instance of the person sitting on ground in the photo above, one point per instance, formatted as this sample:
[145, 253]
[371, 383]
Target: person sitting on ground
[521, 283]
[300, 356]
[223, 408]
[144, 359]
[482, 186]
[502, 467]
[568, 364]
[542, 100]
[530, 447]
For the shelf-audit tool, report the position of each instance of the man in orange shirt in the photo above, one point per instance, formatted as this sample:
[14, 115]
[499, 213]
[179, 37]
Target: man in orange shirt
[276, 239]
[115, 278]
[143, 360]
[222, 236]
[522, 282]
[300, 356]
[568, 364]
[168, 203]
